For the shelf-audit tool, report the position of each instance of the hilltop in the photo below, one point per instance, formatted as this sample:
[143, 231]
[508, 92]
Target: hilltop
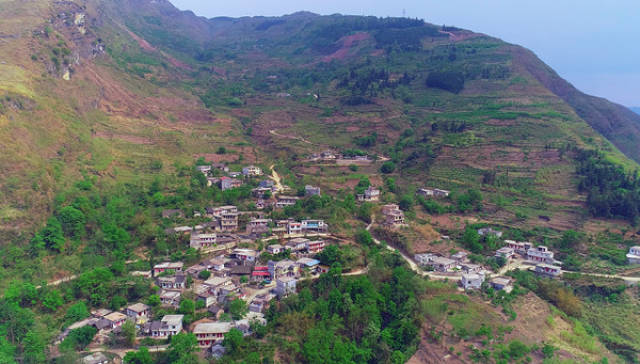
[107, 107]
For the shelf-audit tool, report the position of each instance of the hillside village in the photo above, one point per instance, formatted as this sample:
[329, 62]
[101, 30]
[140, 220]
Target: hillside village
[234, 282]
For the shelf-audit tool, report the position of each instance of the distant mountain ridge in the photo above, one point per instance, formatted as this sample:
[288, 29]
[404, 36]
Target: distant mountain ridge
[635, 109]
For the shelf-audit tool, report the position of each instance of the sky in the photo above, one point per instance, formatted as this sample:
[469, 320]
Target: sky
[592, 43]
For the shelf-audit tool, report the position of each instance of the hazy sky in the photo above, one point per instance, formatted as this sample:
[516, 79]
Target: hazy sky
[592, 43]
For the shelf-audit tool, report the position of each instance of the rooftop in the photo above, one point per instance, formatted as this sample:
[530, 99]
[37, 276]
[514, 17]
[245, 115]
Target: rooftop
[212, 328]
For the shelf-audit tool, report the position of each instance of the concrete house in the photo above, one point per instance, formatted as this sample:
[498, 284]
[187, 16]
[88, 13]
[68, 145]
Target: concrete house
[284, 201]
[459, 257]
[633, 257]
[285, 286]
[170, 298]
[393, 215]
[168, 326]
[311, 190]
[227, 183]
[173, 213]
[504, 252]
[163, 267]
[548, 270]
[519, 247]
[258, 226]
[541, 254]
[489, 232]
[177, 282]
[243, 255]
[501, 283]
[297, 244]
[441, 264]
[252, 171]
[423, 259]
[313, 226]
[432, 192]
[202, 241]
[294, 228]
[315, 246]
[472, 280]
[139, 312]
[283, 268]
[116, 319]
[275, 249]
[95, 358]
[211, 333]
[371, 194]
[206, 169]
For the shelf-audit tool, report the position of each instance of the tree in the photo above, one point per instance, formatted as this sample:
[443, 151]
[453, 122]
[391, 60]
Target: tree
[52, 300]
[330, 255]
[129, 332]
[7, 351]
[183, 348]
[187, 307]
[233, 341]
[205, 274]
[141, 356]
[52, 235]
[364, 237]
[78, 339]
[388, 167]
[154, 300]
[34, 349]
[406, 202]
[117, 302]
[77, 312]
[238, 308]
[73, 221]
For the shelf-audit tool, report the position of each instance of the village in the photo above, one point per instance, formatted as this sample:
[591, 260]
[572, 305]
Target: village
[251, 264]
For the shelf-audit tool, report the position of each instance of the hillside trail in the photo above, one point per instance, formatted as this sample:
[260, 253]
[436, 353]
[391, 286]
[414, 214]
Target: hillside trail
[276, 178]
[273, 132]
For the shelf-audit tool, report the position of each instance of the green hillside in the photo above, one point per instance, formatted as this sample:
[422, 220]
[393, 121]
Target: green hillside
[107, 106]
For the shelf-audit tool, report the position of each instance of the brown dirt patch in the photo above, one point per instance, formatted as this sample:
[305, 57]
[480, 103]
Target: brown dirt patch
[134, 139]
[348, 43]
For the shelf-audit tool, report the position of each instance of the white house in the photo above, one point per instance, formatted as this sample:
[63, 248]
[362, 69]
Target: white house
[211, 333]
[252, 171]
[274, 249]
[169, 325]
[633, 257]
[548, 270]
[285, 286]
[472, 280]
[423, 259]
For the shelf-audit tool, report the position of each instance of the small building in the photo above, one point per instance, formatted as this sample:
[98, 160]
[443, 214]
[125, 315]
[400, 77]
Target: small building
[285, 286]
[315, 246]
[519, 247]
[227, 183]
[116, 319]
[459, 257]
[489, 232]
[294, 228]
[258, 226]
[284, 201]
[541, 254]
[311, 190]
[371, 194]
[442, 264]
[167, 266]
[423, 259]
[202, 241]
[95, 358]
[548, 270]
[260, 273]
[217, 351]
[633, 257]
[283, 268]
[177, 282]
[472, 280]
[206, 169]
[211, 333]
[317, 226]
[504, 252]
[470, 268]
[170, 298]
[432, 192]
[207, 298]
[139, 312]
[393, 215]
[501, 284]
[297, 244]
[244, 254]
[252, 171]
[169, 325]
[275, 249]
[260, 191]
[267, 183]
[307, 263]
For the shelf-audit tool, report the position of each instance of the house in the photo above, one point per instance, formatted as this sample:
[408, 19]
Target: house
[519, 247]
[275, 249]
[267, 183]
[217, 351]
[260, 191]
[116, 319]
[260, 303]
[432, 192]
[371, 194]
[235, 174]
[393, 215]
[489, 231]
[283, 268]
[442, 264]
[225, 217]
[251, 171]
[423, 259]
[207, 298]
[328, 155]
[177, 282]
[168, 326]
[541, 254]
[425, 192]
[548, 270]
[297, 244]
[202, 241]
[139, 312]
[633, 257]
[247, 255]
[307, 263]
[459, 257]
[260, 204]
[294, 227]
[470, 268]
[211, 333]
[204, 169]
[311, 190]
[260, 273]
[315, 246]
[504, 252]
[170, 298]
[317, 226]
[167, 266]
[472, 280]
[169, 214]
[284, 201]
[95, 358]
[501, 284]
[285, 286]
[217, 263]
[227, 183]
[258, 226]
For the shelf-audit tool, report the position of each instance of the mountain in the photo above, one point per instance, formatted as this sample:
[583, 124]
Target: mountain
[107, 106]
[635, 109]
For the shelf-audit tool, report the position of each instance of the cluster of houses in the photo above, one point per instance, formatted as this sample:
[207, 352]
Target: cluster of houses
[231, 180]
[540, 255]
[329, 155]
